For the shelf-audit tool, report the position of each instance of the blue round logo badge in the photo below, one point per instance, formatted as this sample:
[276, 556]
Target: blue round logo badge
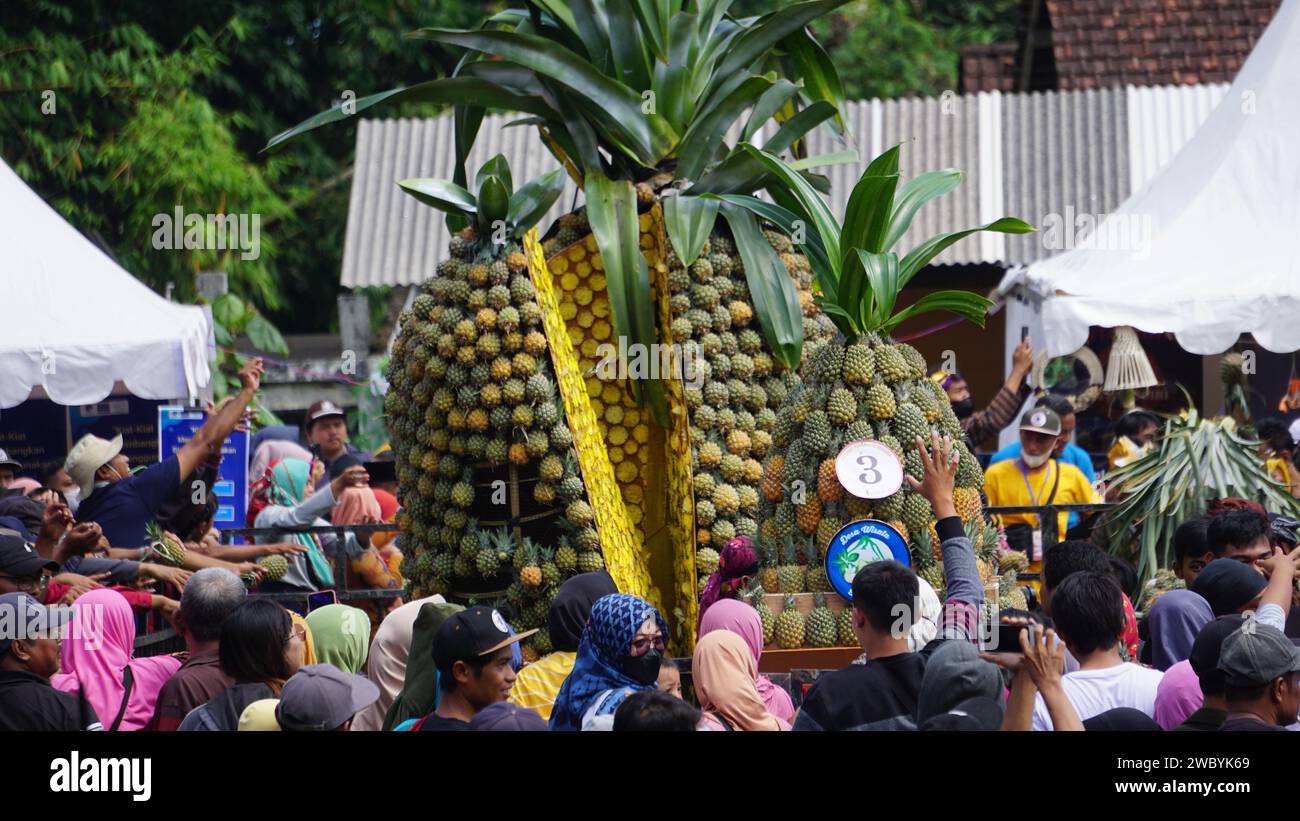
[859, 544]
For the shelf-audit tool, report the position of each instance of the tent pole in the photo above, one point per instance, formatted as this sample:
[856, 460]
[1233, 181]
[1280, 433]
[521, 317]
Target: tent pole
[1211, 385]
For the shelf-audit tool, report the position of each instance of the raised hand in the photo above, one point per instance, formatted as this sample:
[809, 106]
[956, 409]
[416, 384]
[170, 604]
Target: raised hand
[939, 474]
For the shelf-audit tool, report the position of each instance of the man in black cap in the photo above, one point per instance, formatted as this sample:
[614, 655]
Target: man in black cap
[1259, 665]
[1204, 659]
[22, 569]
[327, 433]
[29, 655]
[9, 468]
[322, 697]
[472, 653]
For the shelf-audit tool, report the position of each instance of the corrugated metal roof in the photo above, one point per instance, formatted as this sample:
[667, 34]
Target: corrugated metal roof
[1027, 155]
[1062, 153]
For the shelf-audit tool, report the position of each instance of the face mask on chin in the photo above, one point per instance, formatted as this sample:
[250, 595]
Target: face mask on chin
[1035, 461]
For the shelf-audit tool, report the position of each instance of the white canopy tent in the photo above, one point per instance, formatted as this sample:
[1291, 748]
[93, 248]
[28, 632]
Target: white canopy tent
[75, 323]
[1210, 247]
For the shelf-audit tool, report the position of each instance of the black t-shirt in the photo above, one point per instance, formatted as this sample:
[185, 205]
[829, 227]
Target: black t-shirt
[436, 723]
[1249, 725]
[878, 695]
[29, 702]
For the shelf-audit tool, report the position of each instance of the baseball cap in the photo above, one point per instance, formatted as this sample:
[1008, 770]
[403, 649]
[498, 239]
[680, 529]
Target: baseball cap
[18, 557]
[7, 461]
[260, 716]
[1255, 654]
[1285, 528]
[89, 455]
[472, 633]
[321, 409]
[973, 714]
[504, 716]
[322, 697]
[1228, 585]
[1041, 420]
[1204, 655]
[28, 618]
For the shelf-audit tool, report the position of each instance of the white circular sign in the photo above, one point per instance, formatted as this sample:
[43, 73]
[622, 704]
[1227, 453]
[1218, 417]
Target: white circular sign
[869, 469]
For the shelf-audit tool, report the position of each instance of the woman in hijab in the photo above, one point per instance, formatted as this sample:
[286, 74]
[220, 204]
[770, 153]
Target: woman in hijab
[358, 506]
[537, 685]
[96, 661]
[1178, 695]
[283, 497]
[274, 450]
[741, 619]
[726, 684]
[619, 655]
[1175, 619]
[388, 507]
[301, 627]
[736, 566]
[386, 661]
[419, 695]
[261, 647]
[341, 635]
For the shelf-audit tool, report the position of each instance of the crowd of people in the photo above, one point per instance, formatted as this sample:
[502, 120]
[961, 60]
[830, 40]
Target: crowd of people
[79, 564]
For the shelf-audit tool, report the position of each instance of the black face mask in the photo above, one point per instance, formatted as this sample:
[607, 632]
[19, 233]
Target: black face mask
[642, 669]
[963, 408]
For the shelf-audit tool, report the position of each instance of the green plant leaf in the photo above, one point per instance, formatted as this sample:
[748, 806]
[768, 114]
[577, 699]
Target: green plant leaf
[441, 194]
[866, 216]
[498, 166]
[798, 126]
[776, 301]
[881, 271]
[705, 134]
[493, 201]
[648, 134]
[921, 255]
[813, 206]
[449, 90]
[230, 311]
[770, 30]
[611, 210]
[808, 242]
[627, 46]
[814, 67]
[671, 79]
[844, 157]
[768, 104]
[913, 194]
[222, 336]
[530, 203]
[963, 303]
[689, 221]
[265, 336]
[655, 17]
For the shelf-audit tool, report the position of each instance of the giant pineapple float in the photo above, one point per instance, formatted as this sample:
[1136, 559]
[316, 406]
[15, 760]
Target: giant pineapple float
[635, 100]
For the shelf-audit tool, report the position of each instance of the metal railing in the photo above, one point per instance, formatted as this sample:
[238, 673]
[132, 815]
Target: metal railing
[341, 589]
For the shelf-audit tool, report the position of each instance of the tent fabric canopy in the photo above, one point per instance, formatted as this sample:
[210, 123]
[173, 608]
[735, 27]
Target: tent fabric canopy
[75, 322]
[1210, 247]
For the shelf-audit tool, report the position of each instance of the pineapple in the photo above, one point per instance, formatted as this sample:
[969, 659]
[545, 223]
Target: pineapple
[844, 635]
[790, 574]
[768, 574]
[166, 548]
[820, 626]
[274, 567]
[566, 558]
[862, 377]
[530, 575]
[829, 488]
[765, 615]
[790, 626]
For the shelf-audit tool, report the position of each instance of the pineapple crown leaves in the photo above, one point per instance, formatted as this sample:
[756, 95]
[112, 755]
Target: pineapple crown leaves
[620, 90]
[495, 204]
[859, 275]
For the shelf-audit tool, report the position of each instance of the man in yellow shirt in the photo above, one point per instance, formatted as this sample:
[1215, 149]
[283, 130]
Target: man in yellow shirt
[1035, 478]
[537, 684]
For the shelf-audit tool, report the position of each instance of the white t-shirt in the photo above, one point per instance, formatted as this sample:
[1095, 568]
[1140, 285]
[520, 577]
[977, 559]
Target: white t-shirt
[1093, 692]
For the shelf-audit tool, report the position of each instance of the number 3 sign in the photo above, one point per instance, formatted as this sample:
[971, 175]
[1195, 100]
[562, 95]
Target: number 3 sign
[869, 469]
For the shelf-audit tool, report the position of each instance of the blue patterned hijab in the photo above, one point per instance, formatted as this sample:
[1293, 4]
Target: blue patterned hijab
[606, 641]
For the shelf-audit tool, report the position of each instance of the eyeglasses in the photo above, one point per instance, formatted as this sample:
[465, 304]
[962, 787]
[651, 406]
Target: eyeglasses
[298, 631]
[642, 644]
[28, 584]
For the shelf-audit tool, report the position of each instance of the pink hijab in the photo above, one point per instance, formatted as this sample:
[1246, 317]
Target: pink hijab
[356, 505]
[24, 484]
[273, 449]
[1178, 695]
[97, 652]
[740, 618]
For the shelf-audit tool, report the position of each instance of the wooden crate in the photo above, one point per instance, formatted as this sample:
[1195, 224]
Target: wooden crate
[803, 602]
